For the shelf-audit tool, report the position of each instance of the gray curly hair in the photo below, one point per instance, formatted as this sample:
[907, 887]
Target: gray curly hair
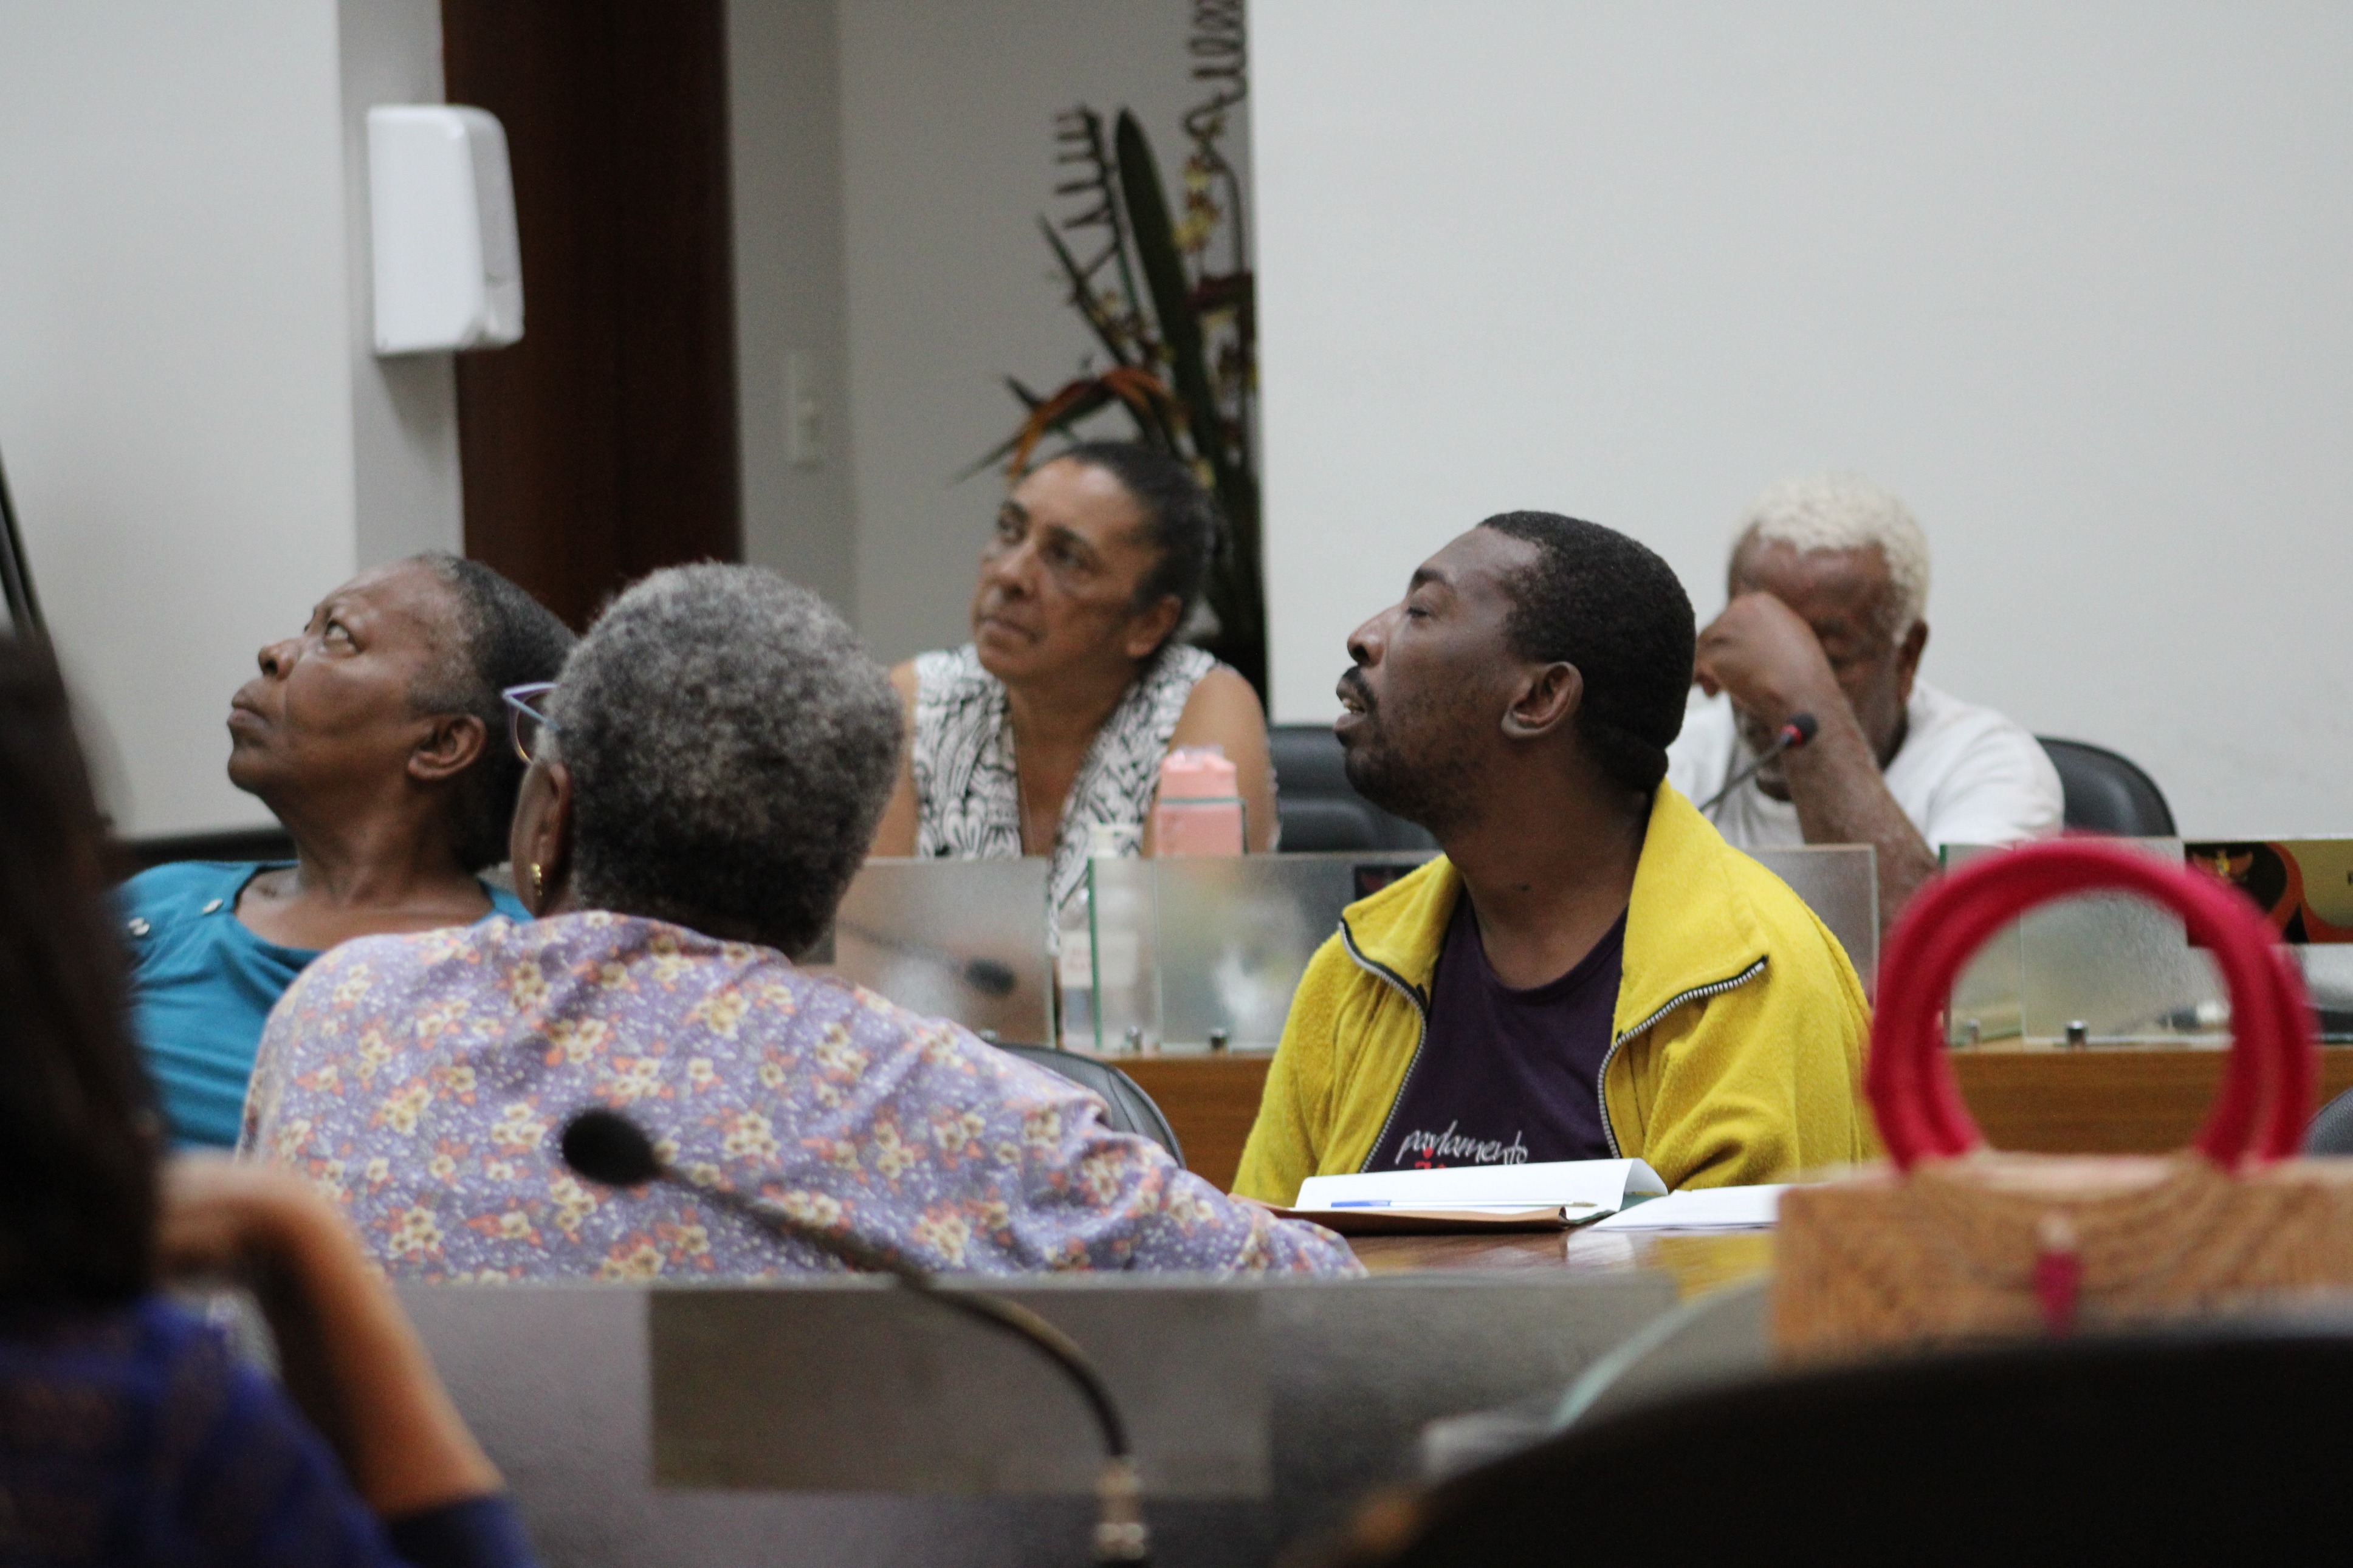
[1847, 511]
[731, 746]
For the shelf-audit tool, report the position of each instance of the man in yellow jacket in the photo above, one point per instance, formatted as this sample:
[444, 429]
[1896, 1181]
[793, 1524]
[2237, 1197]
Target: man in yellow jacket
[1590, 971]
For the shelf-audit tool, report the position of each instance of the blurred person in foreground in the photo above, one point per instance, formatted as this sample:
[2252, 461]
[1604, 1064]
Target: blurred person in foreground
[1054, 719]
[1589, 970]
[1829, 595]
[705, 776]
[377, 738]
[134, 1435]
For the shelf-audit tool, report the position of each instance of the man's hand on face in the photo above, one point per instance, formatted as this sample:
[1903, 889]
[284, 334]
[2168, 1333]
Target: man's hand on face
[1768, 659]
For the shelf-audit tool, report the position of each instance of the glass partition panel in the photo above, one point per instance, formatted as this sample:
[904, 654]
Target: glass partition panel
[2305, 889]
[1110, 958]
[2116, 970]
[2328, 977]
[952, 939]
[1839, 882]
[1236, 933]
[1985, 1002]
[2122, 969]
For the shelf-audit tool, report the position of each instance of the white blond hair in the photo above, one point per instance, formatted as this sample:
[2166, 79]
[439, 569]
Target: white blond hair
[1846, 511]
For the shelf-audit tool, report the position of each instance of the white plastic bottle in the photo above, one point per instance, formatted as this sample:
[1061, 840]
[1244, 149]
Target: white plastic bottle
[1119, 894]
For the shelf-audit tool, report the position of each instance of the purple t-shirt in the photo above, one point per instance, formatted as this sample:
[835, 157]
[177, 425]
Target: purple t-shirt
[1506, 1077]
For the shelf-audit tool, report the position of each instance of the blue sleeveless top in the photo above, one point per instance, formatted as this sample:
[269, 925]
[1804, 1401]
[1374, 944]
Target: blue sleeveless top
[202, 984]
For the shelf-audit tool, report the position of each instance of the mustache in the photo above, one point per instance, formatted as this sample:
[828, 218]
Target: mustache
[1358, 688]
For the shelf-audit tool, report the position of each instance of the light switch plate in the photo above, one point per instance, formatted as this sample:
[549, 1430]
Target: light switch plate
[804, 411]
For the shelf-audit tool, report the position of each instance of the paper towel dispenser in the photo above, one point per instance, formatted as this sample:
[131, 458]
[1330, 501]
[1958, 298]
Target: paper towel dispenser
[449, 272]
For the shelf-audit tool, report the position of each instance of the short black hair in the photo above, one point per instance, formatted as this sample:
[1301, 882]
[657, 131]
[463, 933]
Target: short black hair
[78, 1133]
[507, 638]
[1181, 517]
[1612, 608]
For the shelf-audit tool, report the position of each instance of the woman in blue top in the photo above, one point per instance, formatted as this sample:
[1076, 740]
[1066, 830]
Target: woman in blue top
[129, 1434]
[377, 738]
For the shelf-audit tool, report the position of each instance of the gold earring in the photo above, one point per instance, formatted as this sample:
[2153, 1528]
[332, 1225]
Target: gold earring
[538, 884]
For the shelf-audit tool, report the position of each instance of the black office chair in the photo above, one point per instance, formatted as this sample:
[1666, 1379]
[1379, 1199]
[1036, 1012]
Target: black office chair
[2106, 792]
[1318, 808]
[1131, 1109]
[2147, 1448]
[2331, 1131]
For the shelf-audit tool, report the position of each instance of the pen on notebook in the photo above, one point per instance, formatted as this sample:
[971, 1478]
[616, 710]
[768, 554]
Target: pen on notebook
[1361, 1203]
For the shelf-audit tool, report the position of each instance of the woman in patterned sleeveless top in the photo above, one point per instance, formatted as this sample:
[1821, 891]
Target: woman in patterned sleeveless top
[1054, 719]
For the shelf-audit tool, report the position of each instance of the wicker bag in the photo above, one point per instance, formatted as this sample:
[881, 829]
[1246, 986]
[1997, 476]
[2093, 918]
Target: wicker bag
[1953, 1241]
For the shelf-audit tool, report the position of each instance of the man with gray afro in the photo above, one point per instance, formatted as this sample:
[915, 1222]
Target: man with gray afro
[1828, 591]
[703, 780]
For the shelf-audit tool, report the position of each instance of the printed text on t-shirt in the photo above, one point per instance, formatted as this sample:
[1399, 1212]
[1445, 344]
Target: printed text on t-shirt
[1422, 1150]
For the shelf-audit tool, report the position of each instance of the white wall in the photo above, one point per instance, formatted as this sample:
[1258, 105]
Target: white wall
[2072, 278]
[785, 111]
[197, 445]
[405, 487]
[947, 154]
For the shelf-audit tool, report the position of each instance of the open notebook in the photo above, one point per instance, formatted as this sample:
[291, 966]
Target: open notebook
[1704, 1208]
[1551, 1196]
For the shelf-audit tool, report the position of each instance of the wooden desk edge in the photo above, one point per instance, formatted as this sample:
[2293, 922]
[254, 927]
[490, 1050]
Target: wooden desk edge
[2110, 1102]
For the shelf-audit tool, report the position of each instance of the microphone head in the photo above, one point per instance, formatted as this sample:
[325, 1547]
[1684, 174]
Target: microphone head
[609, 1149]
[1799, 730]
[989, 977]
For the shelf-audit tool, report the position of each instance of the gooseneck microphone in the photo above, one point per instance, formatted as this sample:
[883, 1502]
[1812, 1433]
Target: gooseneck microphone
[612, 1150]
[1789, 737]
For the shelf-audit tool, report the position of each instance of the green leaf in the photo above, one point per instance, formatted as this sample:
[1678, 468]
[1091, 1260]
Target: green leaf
[988, 460]
[1083, 295]
[1092, 400]
[1163, 278]
[1236, 592]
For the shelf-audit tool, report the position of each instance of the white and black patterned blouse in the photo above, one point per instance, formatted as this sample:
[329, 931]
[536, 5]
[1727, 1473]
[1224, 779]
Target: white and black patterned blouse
[968, 800]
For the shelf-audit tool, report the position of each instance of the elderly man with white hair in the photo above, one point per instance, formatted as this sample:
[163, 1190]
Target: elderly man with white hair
[1829, 589]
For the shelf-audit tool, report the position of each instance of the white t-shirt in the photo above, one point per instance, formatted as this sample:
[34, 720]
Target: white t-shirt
[1964, 775]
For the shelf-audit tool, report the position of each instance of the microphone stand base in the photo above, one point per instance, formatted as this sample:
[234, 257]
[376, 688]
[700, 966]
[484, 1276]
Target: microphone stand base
[1121, 1535]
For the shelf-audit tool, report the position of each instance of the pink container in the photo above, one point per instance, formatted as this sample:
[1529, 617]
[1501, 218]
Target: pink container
[1200, 809]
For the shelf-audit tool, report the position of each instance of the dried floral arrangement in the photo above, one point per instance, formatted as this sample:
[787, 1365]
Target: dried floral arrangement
[1168, 296]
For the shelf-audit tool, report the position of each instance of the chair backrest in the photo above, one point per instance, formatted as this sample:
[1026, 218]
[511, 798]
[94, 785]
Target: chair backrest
[2048, 1451]
[2107, 792]
[2331, 1131]
[1131, 1109]
[1318, 808]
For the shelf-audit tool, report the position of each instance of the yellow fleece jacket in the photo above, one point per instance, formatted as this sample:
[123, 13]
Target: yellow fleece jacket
[1736, 1043]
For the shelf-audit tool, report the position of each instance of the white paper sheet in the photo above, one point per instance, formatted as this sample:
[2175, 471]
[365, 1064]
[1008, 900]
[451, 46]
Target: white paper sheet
[1599, 1186]
[1703, 1208]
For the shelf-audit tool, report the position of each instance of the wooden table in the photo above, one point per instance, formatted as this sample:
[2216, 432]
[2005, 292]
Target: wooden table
[2108, 1102]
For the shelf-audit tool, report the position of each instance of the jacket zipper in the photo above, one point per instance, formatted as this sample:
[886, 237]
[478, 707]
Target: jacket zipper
[1420, 1011]
[1696, 994]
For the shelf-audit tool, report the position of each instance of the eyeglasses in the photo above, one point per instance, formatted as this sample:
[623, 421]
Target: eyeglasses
[524, 719]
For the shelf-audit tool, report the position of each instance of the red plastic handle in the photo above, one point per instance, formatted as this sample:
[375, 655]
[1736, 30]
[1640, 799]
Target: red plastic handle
[2274, 1065]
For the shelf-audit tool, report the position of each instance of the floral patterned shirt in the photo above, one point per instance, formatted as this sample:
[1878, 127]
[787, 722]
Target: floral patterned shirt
[422, 1080]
